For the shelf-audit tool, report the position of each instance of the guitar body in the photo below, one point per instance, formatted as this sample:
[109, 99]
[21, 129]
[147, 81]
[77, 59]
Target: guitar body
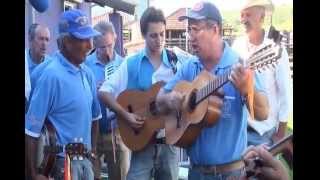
[197, 110]
[192, 120]
[141, 103]
[46, 156]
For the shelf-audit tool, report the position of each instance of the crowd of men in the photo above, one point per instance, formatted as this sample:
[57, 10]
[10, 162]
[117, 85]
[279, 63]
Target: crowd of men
[76, 88]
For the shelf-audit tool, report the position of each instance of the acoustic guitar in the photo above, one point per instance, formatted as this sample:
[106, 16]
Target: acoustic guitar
[198, 110]
[143, 104]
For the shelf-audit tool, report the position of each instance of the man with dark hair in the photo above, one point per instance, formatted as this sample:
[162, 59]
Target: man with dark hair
[103, 62]
[216, 152]
[139, 72]
[66, 96]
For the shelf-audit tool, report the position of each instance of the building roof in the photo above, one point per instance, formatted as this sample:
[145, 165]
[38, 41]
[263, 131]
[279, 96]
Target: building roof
[97, 19]
[172, 20]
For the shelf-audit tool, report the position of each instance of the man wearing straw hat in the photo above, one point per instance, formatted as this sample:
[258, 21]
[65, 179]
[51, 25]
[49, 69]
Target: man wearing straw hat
[277, 80]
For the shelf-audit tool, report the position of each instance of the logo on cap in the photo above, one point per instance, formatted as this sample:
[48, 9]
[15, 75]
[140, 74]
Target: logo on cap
[198, 6]
[82, 20]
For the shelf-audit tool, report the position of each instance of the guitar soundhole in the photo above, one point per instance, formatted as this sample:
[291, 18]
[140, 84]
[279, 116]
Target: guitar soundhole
[152, 108]
[130, 109]
[192, 100]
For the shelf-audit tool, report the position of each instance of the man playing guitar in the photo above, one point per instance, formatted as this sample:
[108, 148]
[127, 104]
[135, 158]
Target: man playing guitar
[216, 153]
[139, 72]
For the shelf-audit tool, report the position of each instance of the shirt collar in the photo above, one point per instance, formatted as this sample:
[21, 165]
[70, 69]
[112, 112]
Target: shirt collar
[264, 41]
[31, 61]
[164, 56]
[97, 61]
[225, 60]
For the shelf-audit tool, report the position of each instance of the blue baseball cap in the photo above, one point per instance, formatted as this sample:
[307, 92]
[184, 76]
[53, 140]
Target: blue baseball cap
[203, 10]
[75, 22]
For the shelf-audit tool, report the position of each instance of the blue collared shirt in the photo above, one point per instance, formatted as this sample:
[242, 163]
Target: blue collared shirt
[67, 96]
[225, 141]
[31, 63]
[103, 72]
[136, 72]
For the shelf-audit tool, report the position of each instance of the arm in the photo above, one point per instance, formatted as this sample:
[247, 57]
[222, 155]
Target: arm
[31, 147]
[40, 106]
[284, 90]
[111, 89]
[167, 102]
[260, 106]
[94, 135]
[109, 101]
[280, 133]
[239, 77]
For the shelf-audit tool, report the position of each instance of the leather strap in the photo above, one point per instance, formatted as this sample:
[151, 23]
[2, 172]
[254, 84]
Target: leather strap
[219, 169]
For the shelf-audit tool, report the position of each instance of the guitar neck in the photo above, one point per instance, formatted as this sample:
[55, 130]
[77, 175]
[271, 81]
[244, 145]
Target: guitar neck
[263, 58]
[278, 147]
[212, 86]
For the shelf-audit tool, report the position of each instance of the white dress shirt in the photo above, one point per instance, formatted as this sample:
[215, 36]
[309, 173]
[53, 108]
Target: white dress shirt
[277, 82]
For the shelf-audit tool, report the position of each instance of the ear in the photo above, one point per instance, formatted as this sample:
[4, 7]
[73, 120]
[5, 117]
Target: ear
[216, 28]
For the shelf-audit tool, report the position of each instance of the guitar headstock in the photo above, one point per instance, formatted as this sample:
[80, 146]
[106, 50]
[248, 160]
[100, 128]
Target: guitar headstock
[265, 57]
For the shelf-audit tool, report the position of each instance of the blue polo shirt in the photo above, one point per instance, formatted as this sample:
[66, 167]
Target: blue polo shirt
[141, 74]
[101, 70]
[67, 96]
[33, 65]
[227, 140]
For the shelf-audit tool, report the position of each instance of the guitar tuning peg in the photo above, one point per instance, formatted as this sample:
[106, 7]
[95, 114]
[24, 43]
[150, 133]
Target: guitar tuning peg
[74, 158]
[81, 139]
[75, 139]
[80, 158]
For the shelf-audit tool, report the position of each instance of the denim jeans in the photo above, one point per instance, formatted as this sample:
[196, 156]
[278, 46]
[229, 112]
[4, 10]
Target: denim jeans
[232, 175]
[254, 138]
[156, 160]
[116, 170]
[80, 169]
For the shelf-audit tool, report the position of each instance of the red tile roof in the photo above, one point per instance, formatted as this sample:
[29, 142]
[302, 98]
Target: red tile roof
[173, 22]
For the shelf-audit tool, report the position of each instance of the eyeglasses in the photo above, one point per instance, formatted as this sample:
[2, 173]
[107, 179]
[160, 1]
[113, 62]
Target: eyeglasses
[105, 47]
[195, 29]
